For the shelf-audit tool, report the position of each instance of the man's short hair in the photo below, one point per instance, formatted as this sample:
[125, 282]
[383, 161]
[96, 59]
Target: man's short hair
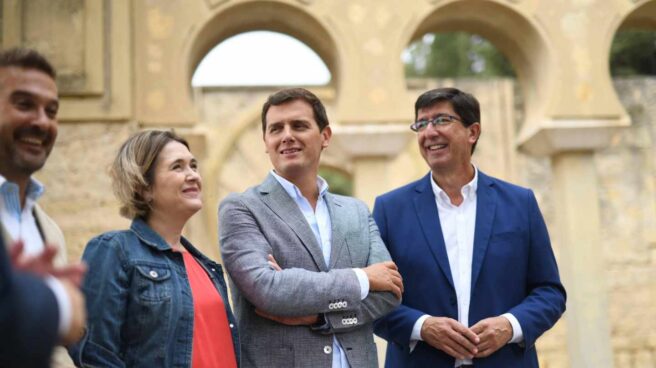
[28, 59]
[290, 94]
[133, 170]
[463, 103]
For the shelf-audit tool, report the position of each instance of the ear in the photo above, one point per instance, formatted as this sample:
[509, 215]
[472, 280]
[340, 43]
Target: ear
[474, 132]
[147, 195]
[326, 134]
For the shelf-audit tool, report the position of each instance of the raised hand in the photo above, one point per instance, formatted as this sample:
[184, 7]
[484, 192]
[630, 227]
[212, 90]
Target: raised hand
[43, 265]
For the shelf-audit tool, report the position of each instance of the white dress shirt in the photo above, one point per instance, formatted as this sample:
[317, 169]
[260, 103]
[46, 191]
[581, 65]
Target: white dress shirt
[20, 223]
[319, 221]
[458, 224]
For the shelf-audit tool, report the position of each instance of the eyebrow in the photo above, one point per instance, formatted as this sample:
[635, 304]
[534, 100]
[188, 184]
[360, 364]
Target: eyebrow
[182, 160]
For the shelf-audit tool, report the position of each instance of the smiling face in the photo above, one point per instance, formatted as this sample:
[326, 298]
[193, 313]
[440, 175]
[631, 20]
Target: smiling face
[28, 121]
[176, 187]
[446, 148]
[293, 140]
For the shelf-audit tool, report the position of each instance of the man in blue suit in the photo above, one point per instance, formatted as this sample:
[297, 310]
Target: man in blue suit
[481, 280]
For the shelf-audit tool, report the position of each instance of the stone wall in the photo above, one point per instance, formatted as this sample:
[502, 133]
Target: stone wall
[79, 194]
[625, 171]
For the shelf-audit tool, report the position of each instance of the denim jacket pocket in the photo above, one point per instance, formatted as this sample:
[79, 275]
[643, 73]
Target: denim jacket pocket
[152, 282]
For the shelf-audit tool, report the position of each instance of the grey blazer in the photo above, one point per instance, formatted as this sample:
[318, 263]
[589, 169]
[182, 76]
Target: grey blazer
[265, 220]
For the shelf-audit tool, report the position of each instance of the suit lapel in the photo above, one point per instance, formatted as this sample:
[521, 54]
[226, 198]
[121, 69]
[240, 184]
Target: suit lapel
[277, 199]
[486, 203]
[427, 213]
[338, 225]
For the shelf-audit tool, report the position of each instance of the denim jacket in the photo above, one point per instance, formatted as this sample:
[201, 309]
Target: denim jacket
[139, 301]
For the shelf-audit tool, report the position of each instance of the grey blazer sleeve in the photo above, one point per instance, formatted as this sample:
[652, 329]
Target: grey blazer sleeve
[376, 304]
[290, 292]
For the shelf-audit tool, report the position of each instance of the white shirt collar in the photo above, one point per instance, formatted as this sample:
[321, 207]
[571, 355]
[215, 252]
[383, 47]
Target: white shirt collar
[468, 190]
[293, 190]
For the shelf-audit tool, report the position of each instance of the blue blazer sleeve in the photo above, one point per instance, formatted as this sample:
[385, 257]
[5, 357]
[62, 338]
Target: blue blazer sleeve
[397, 325]
[545, 302]
[29, 318]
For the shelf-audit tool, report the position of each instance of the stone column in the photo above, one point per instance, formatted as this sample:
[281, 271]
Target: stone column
[371, 147]
[581, 262]
[571, 144]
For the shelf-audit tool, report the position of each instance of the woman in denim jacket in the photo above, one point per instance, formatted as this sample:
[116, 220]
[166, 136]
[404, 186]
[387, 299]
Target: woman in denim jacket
[153, 299]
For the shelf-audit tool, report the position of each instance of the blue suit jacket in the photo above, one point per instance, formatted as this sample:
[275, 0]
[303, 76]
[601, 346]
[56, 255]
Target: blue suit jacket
[513, 270]
[29, 318]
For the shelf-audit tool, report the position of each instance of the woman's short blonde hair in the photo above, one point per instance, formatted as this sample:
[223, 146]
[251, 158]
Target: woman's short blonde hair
[133, 169]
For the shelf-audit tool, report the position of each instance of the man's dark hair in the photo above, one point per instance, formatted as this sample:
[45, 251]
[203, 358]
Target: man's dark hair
[27, 59]
[463, 103]
[290, 94]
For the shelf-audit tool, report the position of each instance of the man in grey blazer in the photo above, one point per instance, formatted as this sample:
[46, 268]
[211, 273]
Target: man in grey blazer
[309, 271]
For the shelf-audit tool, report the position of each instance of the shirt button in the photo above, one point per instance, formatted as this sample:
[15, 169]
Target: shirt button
[328, 349]
[153, 274]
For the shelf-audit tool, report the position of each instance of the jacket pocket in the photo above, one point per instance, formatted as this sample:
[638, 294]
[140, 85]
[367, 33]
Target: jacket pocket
[152, 282]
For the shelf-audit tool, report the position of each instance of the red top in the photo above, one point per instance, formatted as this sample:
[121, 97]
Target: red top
[212, 342]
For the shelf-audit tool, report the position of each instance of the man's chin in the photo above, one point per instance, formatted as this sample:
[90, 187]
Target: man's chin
[29, 165]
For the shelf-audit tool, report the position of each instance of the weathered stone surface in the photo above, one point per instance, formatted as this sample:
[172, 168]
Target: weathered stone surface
[128, 65]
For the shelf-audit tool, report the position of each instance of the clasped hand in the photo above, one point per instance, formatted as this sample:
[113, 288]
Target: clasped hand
[479, 341]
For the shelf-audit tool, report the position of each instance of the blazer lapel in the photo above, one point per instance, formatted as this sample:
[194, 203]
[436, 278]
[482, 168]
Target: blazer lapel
[338, 225]
[277, 199]
[429, 221]
[486, 203]
[51, 234]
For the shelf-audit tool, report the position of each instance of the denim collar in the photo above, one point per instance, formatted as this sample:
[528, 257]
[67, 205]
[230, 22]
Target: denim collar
[150, 237]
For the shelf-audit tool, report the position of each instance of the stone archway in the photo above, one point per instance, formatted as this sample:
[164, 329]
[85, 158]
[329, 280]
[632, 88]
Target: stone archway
[235, 158]
[285, 18]
[517, 36]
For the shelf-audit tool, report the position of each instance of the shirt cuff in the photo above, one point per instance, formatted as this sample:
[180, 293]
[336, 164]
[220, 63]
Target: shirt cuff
[364, 282]
[64, 303]
[415, 336]
[518, 335]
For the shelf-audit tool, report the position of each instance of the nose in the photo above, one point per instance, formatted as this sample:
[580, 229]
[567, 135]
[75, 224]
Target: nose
[287, 135]
[192, 175]
[42, 119]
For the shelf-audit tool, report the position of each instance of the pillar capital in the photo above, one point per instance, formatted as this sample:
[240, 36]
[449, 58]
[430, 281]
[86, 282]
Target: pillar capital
[557, 135]
[372, 140]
